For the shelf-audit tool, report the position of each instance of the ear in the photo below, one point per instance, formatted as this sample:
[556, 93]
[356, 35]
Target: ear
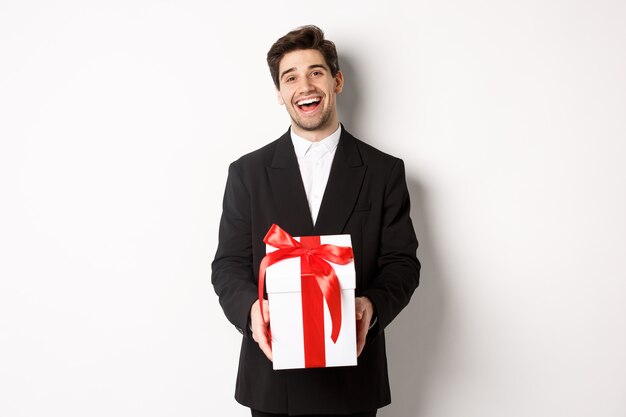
[279, 97]
[339, 82]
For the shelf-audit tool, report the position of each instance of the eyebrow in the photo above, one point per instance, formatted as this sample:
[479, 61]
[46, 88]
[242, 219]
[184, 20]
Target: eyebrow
[292, 69]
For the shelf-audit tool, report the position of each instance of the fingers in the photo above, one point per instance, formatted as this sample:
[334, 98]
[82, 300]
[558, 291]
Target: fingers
[266, 312]
[363, 311]
[361, 333]
[260, 325]
[263, 340]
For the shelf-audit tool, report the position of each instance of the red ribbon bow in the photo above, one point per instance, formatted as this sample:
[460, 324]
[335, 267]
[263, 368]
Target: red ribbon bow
[314, 258]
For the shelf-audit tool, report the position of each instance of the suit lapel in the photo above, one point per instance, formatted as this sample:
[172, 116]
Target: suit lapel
[288, 191]
[343, 188]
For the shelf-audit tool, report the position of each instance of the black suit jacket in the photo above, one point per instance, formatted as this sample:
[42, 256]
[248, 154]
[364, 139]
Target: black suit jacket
[366, 197]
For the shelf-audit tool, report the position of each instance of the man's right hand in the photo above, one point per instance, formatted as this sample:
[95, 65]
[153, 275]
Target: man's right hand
[260, 327]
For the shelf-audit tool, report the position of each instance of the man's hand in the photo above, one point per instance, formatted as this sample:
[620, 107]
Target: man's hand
[364, 312]
[260, 325]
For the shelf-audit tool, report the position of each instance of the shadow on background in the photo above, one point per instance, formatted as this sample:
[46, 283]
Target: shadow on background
[348, 101]
[412, 339]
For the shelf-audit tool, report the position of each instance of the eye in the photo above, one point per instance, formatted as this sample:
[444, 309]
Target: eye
[289, 79]
[316, 73]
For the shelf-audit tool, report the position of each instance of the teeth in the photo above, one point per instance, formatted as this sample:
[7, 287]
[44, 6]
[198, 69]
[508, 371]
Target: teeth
[308, 101]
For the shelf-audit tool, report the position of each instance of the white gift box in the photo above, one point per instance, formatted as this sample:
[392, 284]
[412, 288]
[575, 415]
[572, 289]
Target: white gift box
[283, 284]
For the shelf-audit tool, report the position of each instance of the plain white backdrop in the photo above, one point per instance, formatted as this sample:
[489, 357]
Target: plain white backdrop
[118, 120]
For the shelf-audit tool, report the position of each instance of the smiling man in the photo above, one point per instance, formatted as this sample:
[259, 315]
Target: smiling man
[308, 89]
[316, 179]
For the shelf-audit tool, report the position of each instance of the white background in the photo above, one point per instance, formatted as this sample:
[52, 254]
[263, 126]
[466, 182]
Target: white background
[117, 123]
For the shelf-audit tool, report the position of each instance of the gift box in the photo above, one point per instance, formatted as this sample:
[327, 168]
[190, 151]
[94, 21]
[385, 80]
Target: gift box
[312, 325]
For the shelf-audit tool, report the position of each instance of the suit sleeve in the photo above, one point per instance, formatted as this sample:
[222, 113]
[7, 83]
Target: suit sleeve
[398, 266]
[232, 273]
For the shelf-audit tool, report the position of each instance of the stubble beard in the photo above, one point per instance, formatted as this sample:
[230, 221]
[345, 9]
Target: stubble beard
[312, 125]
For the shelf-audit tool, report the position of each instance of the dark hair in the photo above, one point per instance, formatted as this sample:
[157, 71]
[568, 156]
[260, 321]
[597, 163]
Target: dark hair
[304, 37]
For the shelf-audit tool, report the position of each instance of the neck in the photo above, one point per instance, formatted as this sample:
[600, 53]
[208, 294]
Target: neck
[315, 135]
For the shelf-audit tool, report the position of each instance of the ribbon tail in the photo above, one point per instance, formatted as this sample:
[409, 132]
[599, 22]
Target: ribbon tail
[329, 284]
[265, 262]
[287, 246]
[268, 260]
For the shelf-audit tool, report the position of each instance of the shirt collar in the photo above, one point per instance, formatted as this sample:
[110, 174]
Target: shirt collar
[301, 145]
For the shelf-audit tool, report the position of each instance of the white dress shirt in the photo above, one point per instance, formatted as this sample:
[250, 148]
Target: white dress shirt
[315, 160]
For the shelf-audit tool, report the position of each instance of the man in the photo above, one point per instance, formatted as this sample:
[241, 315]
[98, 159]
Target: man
[316, 179]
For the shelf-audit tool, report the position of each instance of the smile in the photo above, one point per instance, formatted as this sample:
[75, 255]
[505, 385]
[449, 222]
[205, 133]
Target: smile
[308, 105]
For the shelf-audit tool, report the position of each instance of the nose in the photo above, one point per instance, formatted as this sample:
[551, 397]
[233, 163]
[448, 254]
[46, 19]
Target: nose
[305, 85]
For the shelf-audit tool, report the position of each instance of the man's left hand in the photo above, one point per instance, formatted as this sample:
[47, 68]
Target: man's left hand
[364, 312]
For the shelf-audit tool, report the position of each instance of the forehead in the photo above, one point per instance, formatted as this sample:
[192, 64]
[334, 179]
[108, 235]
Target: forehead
[301, 59]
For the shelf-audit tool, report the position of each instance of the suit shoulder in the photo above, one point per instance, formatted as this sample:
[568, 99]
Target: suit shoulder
[259, 157]
[372, 155]
[371, 151]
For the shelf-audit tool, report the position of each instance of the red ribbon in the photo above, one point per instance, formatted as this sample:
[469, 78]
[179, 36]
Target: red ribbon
[314, 258]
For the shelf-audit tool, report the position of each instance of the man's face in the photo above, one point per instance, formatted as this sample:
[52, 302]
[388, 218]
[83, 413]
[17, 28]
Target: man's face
[309, 92]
